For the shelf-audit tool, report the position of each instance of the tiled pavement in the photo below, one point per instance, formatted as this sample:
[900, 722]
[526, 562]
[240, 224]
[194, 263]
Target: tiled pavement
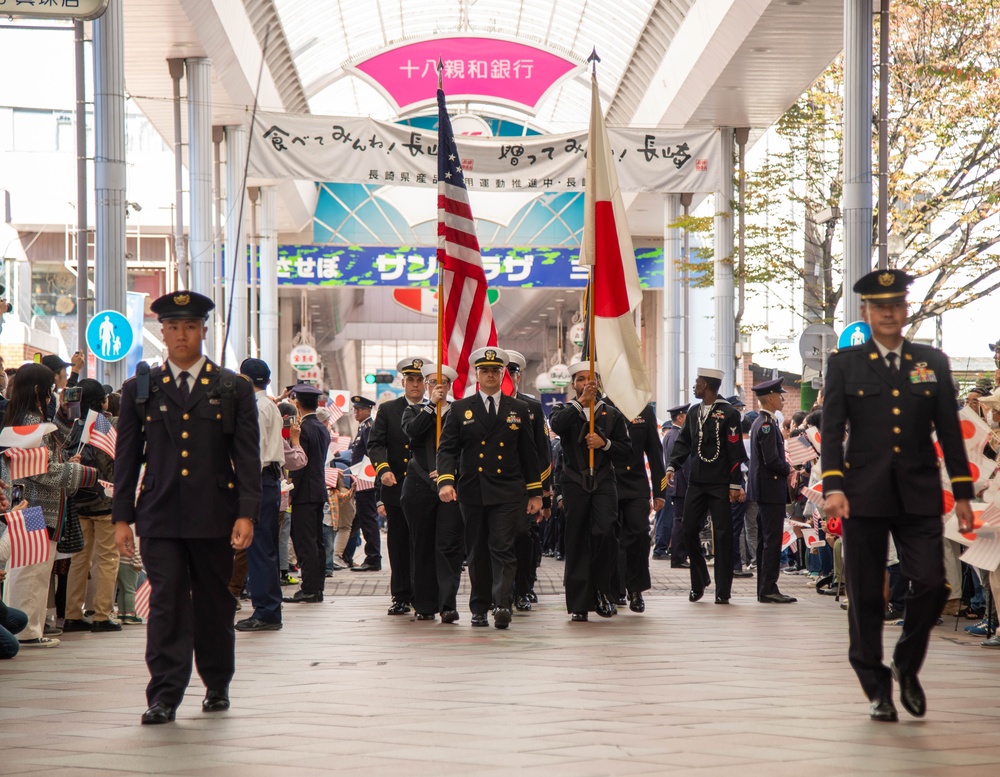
[683, 689]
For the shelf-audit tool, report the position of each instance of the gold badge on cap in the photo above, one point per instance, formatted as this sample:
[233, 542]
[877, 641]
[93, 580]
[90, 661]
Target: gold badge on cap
[418, 363]
[886, 279]
[491, 354]
[468, 414]
[182, 299]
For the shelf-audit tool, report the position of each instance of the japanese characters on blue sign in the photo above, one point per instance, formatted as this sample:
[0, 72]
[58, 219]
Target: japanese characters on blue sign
[318, 265]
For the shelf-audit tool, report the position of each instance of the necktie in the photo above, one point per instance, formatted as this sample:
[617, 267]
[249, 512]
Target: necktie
[492, 410]
[893, 369]
[182, 385]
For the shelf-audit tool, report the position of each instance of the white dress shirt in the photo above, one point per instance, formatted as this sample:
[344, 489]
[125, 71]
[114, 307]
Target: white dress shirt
[272, 447]
[193, 372]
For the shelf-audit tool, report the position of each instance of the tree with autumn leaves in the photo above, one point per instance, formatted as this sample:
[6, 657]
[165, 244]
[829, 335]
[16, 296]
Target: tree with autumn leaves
[944, 170]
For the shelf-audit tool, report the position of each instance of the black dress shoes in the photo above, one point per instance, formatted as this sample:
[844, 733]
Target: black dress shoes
[636, 603]
[532, 596]
[695, 594]
[883, 711]
[216, 701]
[742, 573]
[301, 597]
[620, 601]
[501, 617]
[399, 608]
[911, 695]
[722, 600]
[682, 565]
[426, 616]
[366, 567]
[480, 619]
[604, 607]
[578, 617]
[776, 599]
[255, 624]
[449, 616]
[157, 714]
[522, 603]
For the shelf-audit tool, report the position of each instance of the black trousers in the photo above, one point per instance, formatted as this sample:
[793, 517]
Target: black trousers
[190, 612]
[632, 570]
[524, 551]
[589, 537]
[397, 540]
[437, 536]
[770, 527]
[307, 539]
[921, 558]
[366, 521]
[490, 531]
[678, 547]
[262, 555]
[739, 512]
[711, 499]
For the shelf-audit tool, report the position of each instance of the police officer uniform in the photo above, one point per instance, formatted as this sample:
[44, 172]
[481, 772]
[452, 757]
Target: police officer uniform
[491, 461]
[767, 485]
[590, 501]
[676, 492]
[889, 403]
[528, 545]
[389, 451]
[366, 510]
[712, 437]
[308, 498]
[437, 531]
[196, 431]
[632, 570]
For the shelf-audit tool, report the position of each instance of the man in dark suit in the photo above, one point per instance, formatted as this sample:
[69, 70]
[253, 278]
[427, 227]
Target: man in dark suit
[487, 461]
[767, 486]
[195, 427]
[437, 531]
[712, 438]
[590, 498]
[528, 545]
[389, 451]
[676, 490]
[365, 515]
[890, 395]
[308, 497]
[632, 570]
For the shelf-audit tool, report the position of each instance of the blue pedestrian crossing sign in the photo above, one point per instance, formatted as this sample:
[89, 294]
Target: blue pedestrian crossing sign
[109, 336]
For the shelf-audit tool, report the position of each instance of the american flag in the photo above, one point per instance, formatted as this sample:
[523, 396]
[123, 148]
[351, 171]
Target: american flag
[99, 432]
[109, 488]
[27, 462]
[798, 451]
[338, 443]
[468, 321]
[29, 539]
[142, 599]
[814, 494]
[332, 477]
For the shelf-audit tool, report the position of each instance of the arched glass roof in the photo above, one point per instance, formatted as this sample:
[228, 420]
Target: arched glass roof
[326, 37]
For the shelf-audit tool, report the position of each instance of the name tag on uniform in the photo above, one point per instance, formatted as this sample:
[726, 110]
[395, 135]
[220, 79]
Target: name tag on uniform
[468, 421]
[215, 401]
[921, 374]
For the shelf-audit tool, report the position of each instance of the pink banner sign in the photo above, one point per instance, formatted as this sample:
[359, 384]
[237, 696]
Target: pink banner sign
[477, 68]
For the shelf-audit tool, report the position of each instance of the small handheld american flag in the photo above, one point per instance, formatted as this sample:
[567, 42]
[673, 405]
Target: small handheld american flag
[142, 599]
[339, 443]
[99, 432]
[332, 477]
[27, 462]
[29, 538]
[799, 451]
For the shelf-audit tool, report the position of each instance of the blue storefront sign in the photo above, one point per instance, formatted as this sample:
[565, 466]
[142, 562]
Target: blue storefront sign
[526, 268]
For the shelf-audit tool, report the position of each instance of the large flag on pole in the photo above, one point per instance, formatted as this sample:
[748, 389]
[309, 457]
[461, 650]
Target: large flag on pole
[468, 321]
[607, 247]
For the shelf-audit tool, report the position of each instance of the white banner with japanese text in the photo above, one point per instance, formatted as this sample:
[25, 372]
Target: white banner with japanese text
[362, 150]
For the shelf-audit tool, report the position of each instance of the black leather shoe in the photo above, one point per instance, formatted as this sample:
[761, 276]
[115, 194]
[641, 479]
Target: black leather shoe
[883, 711]
[501, 617]
[682, 565]
[695, 594]
[603, 607]
[366, 567]
[911, 695]
[560, 557]
[480, 619]
[578, 617]
[216, 701]
[776, 599]
[742, 573]
[522, 603]
[722, 600]
[301, 597]
[157, 714]
[636, 603]
[449, 616]
[532, 596]
[255, 624]
[399, 608]
[426, 616]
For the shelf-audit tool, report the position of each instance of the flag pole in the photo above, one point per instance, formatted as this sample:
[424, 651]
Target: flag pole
[440, 300]
[593, 59]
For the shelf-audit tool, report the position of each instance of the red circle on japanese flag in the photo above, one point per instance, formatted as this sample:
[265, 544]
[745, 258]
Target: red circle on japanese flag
[949, 501]
[819, 437]
[340, 400]
[974, 472]
[25, 431]
[938, 451]
[786, 537]
[968, 430]
[977, 523]
[370, 471]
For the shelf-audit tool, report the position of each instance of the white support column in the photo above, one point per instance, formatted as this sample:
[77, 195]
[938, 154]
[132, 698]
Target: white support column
[671, 379]
[725, 289]
[199, 96]
[857, 150]
[109, 173]
[236, 247]
[269, 277]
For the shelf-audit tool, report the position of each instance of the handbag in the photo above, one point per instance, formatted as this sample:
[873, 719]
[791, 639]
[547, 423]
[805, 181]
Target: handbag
[71, 538]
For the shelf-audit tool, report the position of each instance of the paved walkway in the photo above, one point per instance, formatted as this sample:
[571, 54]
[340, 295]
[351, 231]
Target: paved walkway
[684, 689]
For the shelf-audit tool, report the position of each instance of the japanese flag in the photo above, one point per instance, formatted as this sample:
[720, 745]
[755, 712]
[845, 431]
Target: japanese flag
[364, 473]
[788, 537]
[25, 436]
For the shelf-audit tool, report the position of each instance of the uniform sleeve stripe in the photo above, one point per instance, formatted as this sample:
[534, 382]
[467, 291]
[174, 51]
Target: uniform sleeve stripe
[531, 486]
[380, 467]
[961, 479]
[445, 477]
[831, 472]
